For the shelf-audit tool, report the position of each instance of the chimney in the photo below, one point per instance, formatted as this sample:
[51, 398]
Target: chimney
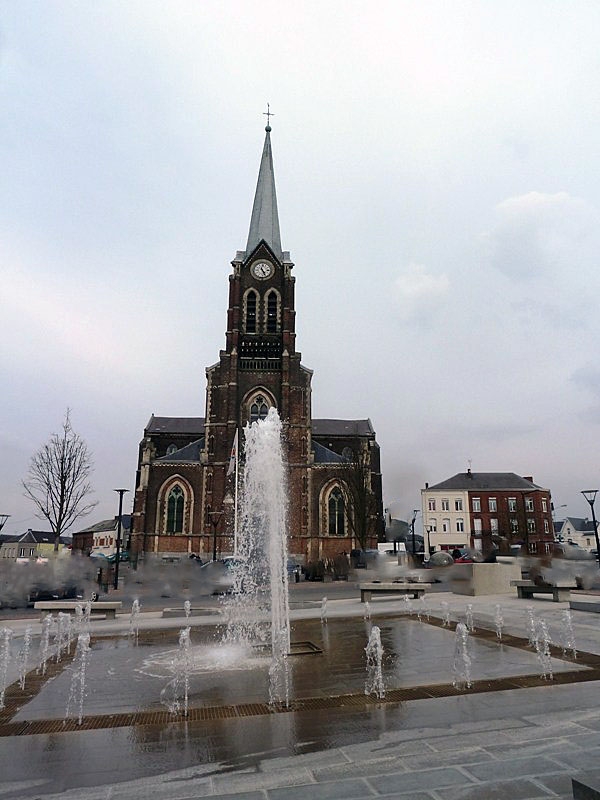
[528, 478]
[426, 485]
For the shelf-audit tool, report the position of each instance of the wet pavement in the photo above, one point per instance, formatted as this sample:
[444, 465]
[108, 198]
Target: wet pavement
[522, 743]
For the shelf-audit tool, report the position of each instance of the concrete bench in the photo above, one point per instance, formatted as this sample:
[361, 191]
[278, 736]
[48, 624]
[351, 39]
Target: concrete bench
[560, 590]
[108, 608]
[414, 589]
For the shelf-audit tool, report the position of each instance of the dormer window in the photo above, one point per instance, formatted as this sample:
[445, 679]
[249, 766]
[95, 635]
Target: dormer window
[172, 448]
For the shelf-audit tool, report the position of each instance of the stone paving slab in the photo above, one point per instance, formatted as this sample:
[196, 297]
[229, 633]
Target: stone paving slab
[407, 782]
[500, 790]
[337, 790]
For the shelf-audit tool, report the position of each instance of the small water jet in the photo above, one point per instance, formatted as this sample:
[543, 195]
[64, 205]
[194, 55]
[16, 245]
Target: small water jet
[23, 656]
[324, 610]
[498, 621]
[187, 609]
[445, 614]
[45, 643]
[568, 639]
[5, 637]
[374, 683]
[461, 669]
[532, 628]
[77, 688]
[134, 620]
[408, 604]
[469, 617]
[542, 647]
[63, 636]
[367, 611]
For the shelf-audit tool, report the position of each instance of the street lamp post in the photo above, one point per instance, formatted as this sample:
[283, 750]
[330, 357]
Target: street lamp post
[120, 492]
[429, 529]
[3, 518]
[590, 496]
[412, 530]
[215, 518]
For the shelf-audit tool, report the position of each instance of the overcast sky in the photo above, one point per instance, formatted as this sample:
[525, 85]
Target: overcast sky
[437, 176]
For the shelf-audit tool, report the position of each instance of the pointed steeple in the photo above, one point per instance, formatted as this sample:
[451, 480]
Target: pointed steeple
[265, 220]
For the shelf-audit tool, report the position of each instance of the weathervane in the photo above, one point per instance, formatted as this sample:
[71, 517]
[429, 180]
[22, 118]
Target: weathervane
[268, 114]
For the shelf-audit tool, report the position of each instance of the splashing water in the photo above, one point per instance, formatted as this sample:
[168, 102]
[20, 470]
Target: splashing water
[62, 638]
[445, 614]
[367, 611]
[424, 607]
[324, 610]
[258, 608]
[5, 637]
[45, 643]
[187, 608]
[498, 620]
[77, 689]
[23, 656]
[469, 618]
[179, 686]
[532, 628]
[408, 604]
[134, 620]
[568, 642]
[374, 683]
[542, 648]
[461, 669]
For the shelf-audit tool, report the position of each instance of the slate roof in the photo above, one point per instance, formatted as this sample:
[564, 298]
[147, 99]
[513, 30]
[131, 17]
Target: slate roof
[190, 425]
[342, 427]
[264, 223]
[108, 525]
[188, 454]
[580, 524]
[323, 455]
[485, 481]
[39, 537]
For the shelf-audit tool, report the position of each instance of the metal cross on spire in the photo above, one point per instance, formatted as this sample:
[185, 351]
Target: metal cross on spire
[268, 114]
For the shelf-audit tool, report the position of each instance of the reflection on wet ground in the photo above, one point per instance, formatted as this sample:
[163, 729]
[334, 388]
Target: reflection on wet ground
[123, 677]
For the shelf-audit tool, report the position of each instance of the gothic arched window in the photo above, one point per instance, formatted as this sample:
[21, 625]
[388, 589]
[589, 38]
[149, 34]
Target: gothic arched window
[272, 325]
[209, 482]
[335, 510]
[258, 409]
[172, 448]
[348, 454]
[251, 310]
[175, 503]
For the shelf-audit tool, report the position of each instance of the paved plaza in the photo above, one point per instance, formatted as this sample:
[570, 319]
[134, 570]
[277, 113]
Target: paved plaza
[516, 744]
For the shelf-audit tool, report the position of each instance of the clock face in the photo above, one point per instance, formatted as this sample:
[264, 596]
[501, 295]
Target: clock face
[262, 269]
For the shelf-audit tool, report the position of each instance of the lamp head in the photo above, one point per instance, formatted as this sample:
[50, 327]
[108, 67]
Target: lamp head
[590, 495]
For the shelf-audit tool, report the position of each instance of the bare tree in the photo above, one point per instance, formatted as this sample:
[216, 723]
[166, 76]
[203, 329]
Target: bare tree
[57, 480]
[360, 498]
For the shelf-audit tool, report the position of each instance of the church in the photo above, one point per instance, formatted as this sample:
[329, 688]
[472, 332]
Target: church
[185, 493]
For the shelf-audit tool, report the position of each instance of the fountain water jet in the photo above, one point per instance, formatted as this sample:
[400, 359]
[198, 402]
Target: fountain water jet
[24, 656]
[374, 650]
[260, 590]
[461, 669]
[80, 662]
[5, 637]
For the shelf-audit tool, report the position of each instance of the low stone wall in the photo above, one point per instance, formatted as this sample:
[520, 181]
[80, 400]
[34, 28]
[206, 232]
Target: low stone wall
[480, 579]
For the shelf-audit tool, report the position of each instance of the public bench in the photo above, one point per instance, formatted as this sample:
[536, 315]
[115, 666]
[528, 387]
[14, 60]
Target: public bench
[560, 590]
[414, 589]
[108, 608]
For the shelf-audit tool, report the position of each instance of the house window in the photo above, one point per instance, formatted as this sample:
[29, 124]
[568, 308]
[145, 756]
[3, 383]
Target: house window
[476, 504]
[251, 304]
[512, 504]
[458, 504]
[272, 312]
[432, 526]
[530, 525]
[431, 504]
[335, 508]
[460, 525]
[529, 504]
[31, 551]
[175, 502]
[445, 505]
[533, 547]
[21, 552]
[547, 528]
[446, 526]
[544, 505]
[477, 526]
[514, 527]
[494, 525]
[259, 409]
[492, 504]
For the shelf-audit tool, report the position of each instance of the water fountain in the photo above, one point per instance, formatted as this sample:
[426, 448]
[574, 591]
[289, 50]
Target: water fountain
[498, 621]
[445, 614]
[5, 637]
[23, 656]
[374, 650]
[542, 647]
[77, 689]
[469, 617]
[324, 610]
[461, 669]
[45, 644]
[134, 620]
[568, 642]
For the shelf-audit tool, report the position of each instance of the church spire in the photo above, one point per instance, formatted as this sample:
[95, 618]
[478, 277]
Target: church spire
[265, 220]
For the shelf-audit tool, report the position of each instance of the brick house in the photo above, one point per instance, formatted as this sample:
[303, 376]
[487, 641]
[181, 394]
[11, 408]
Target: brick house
[183, 496]
[473, 509]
